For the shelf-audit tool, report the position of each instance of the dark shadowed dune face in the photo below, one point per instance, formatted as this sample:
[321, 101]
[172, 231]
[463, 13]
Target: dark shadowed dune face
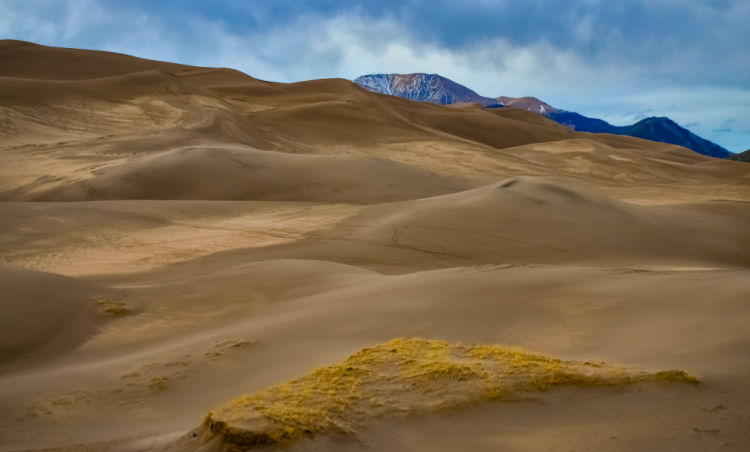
[186, 253]
[742, 156]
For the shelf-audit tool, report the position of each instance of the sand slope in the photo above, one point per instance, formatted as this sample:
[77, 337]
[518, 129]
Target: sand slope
[525, 219]
[174, 237]
[44, 314]
[27, 60]
[242, 173]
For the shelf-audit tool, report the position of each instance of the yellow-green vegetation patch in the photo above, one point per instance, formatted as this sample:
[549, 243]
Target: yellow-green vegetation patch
[159, 383]
[112, 307]
[404, 376]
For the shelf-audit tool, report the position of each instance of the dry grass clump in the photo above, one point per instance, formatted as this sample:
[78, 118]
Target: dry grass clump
[112, 307]
[403, 376]
[159, 383]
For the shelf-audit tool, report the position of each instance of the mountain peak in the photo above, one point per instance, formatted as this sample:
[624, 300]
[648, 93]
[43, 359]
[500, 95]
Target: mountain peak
[665, 130]
[657, 119]
[422, 87]
[528, 103]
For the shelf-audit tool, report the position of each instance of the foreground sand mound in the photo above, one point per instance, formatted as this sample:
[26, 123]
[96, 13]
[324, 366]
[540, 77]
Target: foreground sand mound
[400, 377]
[243, 173]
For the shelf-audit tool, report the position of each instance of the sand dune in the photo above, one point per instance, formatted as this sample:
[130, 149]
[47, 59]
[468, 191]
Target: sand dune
[526, 219]
[621, 316]
[28, 60]
[372, 118]
[222, 235]
[87, 238]
[241, 173]
[51, 111]
[43, 314]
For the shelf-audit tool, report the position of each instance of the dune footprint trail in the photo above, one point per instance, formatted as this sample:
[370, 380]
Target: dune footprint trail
[399, 377]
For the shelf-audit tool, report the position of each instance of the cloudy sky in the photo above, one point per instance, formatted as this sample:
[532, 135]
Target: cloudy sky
[620, 60]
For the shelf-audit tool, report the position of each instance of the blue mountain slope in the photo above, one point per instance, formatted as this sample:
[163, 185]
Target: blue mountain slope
[584, 123]
[660, 129]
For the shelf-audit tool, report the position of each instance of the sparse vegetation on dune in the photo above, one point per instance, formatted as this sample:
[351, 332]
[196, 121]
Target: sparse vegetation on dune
[112, 307]
[399, 377]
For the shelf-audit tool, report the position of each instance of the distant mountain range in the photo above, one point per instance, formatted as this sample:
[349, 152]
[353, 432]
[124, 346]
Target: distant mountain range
[654, 128]
[440, 90]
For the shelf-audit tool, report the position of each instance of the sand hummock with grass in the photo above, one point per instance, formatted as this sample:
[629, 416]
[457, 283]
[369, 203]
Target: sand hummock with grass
[399, 377]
